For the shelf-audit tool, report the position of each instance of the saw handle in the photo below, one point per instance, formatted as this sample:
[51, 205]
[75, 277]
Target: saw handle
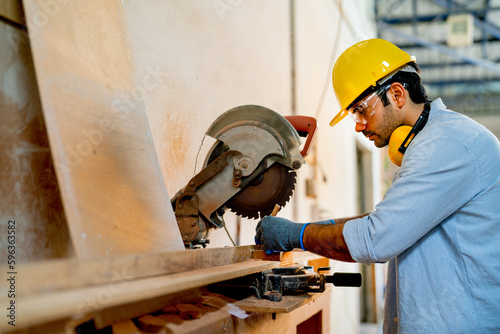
[305, 126]
[344, 279]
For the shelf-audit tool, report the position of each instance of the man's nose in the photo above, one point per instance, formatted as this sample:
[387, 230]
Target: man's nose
[360, 127]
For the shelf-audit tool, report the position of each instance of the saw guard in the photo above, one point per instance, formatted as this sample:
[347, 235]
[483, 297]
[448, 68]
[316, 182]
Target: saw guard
[277, 125]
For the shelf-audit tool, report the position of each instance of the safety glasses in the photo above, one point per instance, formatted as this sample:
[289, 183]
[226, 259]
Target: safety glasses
[363, 111]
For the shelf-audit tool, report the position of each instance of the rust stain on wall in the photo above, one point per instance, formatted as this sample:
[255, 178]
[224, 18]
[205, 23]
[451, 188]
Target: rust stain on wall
[176, 139]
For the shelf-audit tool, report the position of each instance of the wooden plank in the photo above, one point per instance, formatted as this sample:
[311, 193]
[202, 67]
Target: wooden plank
[76, 288]
[216, 322]
[60, 326]
[84, 295]
[12, 10]
[318, 263]
[64, 274]
[46, 307]
[297, 255]
[125, 327]
[286, 305]
[221, 322]
[109, 316]
[111, 183]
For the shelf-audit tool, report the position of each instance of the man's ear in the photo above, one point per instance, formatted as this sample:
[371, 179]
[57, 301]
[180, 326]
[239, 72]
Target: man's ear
[398, 94]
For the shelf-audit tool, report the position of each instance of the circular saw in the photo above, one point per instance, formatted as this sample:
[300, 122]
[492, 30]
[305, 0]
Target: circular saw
[250, 168]
[262, 191]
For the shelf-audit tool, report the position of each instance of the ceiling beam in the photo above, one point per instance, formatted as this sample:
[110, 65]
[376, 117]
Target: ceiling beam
[480, 81]
[441, 48]
[476, 42]
[430, 17]
[446, 64]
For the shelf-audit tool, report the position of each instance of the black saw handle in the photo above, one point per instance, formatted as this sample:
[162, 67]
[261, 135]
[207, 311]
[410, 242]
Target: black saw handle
[344, 279]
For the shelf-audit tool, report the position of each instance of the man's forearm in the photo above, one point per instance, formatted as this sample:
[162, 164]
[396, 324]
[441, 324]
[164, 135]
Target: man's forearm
[328, 240]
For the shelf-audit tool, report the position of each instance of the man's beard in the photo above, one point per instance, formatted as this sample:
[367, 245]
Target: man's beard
[388, 124]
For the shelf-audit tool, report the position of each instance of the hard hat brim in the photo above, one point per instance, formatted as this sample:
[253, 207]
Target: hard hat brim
[340, 116]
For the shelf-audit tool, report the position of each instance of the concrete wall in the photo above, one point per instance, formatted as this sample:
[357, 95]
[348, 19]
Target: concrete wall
[210, 56]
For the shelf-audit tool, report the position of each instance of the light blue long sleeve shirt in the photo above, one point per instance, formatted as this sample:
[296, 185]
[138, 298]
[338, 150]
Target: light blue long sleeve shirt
[439, 228]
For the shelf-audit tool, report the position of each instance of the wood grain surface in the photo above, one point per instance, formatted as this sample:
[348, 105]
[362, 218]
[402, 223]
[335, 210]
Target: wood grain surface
[286, 305]
[81, 288]
[12, 10]
[112, 187]
[55, 275]
[45, 307]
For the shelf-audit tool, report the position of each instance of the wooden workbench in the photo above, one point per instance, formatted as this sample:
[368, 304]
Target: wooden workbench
[79, 290]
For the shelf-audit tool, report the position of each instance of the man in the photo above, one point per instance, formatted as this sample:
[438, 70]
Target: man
[439, 223]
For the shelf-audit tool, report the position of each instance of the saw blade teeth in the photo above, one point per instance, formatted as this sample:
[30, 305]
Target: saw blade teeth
[274, 186]
[258, 201]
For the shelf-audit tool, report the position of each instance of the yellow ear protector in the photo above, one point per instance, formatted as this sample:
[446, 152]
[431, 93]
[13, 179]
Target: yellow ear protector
[403, 135]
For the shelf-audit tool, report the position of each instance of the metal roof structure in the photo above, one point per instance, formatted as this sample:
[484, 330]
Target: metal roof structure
[457, 46]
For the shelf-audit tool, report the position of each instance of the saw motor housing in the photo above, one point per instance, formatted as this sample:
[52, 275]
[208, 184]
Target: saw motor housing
[250, 168]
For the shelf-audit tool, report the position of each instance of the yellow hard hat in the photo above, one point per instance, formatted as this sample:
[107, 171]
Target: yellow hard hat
[361, 66]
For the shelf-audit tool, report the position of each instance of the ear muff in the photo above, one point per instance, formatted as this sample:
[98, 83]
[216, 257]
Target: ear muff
[403, 135]
[397, 138]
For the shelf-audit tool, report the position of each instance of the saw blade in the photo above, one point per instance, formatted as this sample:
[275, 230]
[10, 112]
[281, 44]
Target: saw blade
[274, 186]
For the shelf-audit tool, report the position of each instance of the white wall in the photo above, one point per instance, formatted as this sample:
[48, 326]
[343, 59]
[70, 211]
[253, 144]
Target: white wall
[210, 56]
[324, 30]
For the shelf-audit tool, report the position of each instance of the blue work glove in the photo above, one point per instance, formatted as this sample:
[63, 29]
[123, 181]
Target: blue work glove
[280, 234]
